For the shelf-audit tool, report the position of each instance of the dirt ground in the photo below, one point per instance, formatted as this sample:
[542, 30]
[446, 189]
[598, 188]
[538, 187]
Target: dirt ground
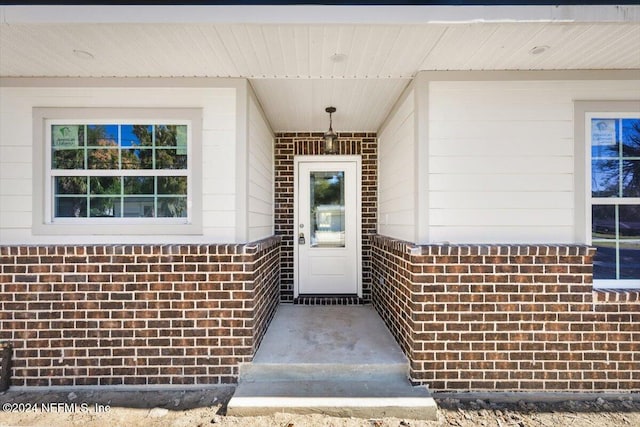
[201, 408]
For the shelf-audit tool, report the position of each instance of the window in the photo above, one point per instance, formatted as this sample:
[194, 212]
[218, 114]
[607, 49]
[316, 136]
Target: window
[614, 141]
[103, 171]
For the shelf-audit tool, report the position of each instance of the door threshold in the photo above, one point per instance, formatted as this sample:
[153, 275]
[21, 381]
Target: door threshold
[328, 299]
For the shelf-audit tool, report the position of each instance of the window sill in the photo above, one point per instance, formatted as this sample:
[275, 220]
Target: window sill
[616, 285]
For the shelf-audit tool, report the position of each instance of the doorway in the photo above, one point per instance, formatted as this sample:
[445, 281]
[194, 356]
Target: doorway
[327, 224]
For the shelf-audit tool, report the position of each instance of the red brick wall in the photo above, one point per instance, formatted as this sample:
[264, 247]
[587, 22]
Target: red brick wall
[135, 314]
[288, 145]
[477, 317]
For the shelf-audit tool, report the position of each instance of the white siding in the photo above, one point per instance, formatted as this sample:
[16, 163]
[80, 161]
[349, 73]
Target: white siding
[260, 169]
[218, 155]
[396, 173]
[501, 158]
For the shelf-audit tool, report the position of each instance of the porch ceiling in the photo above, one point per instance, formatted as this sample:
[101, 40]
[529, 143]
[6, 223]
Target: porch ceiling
[304, 61]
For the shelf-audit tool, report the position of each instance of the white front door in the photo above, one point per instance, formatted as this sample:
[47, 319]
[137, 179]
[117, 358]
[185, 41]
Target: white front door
[327, 225]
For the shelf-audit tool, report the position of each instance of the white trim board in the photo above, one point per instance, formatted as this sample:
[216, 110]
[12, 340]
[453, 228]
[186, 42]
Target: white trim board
[308, 14]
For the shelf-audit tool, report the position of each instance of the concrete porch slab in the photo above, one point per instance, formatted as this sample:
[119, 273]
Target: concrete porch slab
[334, 360]
[328, 334]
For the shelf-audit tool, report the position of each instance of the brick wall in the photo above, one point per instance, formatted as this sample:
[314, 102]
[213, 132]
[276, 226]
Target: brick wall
[477, 317]
[288, 145]
[135, 314]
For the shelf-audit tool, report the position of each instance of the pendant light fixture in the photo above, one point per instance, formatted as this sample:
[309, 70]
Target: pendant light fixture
[330, 137]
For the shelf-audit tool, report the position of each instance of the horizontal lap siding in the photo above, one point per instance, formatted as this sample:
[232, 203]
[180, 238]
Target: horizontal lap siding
[218, 153]
[501, 158]
[396, 191]
[260, 167]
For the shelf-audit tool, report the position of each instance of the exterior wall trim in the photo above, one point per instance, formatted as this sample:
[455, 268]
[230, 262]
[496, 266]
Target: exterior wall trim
[123, 82]
[516, 75]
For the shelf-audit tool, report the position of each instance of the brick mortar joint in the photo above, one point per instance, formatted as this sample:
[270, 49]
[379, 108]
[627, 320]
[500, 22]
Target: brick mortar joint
[612, 296]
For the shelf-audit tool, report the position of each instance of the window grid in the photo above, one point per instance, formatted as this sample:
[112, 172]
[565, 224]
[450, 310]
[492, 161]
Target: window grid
[120, 174]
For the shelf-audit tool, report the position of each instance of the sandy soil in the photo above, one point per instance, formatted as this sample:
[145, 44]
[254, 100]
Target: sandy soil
[207, 408]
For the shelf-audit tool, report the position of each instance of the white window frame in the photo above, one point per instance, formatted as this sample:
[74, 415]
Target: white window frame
[585, 112]
[44, 221]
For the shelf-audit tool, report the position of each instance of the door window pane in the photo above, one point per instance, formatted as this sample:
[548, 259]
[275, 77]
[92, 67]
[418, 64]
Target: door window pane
[327, 209]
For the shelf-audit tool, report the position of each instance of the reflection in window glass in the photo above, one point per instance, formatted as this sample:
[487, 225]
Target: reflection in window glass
[629, 260]
[172, 185]
[629, 224]
[67, 158]
[327, 209]
[172, 207]
[71, 185]
[136, 136]
[603, 222]
[138, 185]
[100, 207]
[631, 178]
[117, 159]
[70, 207]
[605, 178]
[105, 184]
[102, 135]
[615, 190]
[104, 159]
[631, 138]
[140, 158]
[169, 159]
[605, 261]
[139, 207]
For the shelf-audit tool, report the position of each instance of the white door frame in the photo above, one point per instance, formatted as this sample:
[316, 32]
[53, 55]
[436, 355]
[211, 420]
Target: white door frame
[319, 160]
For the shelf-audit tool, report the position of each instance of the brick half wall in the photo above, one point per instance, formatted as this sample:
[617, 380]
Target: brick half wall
[503, 317]
[136, 314]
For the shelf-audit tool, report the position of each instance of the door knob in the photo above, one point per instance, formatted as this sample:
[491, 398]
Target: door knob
[301, 239]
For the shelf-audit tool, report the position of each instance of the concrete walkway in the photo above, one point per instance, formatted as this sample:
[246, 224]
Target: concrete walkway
[336, 360]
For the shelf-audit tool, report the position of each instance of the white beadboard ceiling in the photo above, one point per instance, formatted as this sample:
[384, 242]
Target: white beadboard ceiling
[290, 64]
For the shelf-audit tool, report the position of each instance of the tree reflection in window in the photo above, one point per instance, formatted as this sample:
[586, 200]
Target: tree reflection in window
[112, 149]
